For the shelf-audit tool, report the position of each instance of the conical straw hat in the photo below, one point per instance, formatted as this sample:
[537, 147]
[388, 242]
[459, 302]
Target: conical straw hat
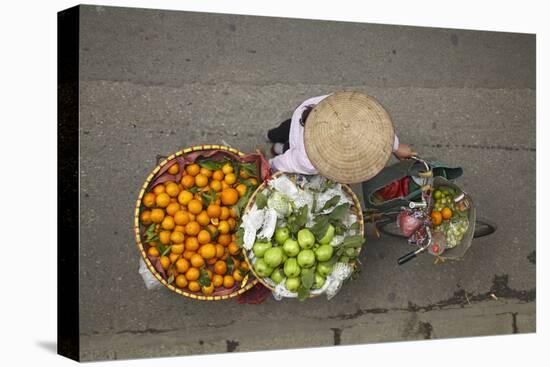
[349, 137]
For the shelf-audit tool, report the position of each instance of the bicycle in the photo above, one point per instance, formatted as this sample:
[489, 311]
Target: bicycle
[385, 217]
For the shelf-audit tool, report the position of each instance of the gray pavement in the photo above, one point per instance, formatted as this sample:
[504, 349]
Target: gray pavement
[153, 82]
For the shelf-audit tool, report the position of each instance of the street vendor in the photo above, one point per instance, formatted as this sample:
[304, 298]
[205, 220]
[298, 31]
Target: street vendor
[345, 136]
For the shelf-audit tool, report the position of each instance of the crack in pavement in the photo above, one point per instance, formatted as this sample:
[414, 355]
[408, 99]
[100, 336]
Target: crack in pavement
[499, 288]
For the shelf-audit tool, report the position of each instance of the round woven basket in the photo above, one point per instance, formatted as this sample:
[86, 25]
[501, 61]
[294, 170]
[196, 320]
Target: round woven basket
[356, 209]
[248, 281]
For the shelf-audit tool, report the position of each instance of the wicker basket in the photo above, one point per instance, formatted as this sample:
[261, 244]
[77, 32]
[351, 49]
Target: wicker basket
[247, 283]
[356, 210]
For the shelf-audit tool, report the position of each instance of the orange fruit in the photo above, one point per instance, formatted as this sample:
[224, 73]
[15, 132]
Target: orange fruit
[436, 218]
[244, 266]
[223, 227]
[204, 237]
[224, 239]
[230, 178]
[181, 218]
[187, 255]
[446, 213]
[220, 267]
[225, 254]
[193, 169]
[191, 217]
[228, 281]
[214, 211]
[164, 237]
[241, 189]
[182, 265]
[177, 249]
[164, 262]
[173, 257]
[197, 261]
[236, 262]
[211, 228]
[162, 200]
[145, 217]
[233, 248]
[174, 169]
[208, 290]
[192, 228]
[212, 261]
[229, 196]
[253, 181]
[233, 213]
[172, 208]
[216, 185]
[220, 250]
[177, 237]
[179, 228]
[225, 213]
[237, 275]
[194, 206]
[203, 218]
[201, 180]
[232, 223]
[185, 197]
[206, 172]
[244, 174]
[217, 280]
[227, 168]
[157, 215]
[149, 200]
[192, 243]
[218, 175]
[207, 251]
[168, 223]
[159, 189]
[172, 189]
[153, 252]
[209, 273]
[188, 181]
[225, 185]
[181, 281]
[194, 286]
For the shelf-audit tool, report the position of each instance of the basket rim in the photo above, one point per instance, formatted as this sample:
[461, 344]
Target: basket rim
[252, 200]
[245, 283]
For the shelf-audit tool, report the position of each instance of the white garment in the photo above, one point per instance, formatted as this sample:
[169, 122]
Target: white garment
[295, 159]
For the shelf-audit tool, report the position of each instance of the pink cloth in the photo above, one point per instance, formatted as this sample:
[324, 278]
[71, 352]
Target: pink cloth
[295, 159]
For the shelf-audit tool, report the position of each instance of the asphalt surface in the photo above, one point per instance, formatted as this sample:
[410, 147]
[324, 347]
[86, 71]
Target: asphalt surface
[154, 82]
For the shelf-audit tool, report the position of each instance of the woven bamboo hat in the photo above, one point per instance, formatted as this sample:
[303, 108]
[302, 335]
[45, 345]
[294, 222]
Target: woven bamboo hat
[349, 137]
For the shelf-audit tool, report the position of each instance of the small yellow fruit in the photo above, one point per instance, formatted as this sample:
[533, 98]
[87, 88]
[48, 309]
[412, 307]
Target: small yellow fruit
[157, 215]
[163, 200]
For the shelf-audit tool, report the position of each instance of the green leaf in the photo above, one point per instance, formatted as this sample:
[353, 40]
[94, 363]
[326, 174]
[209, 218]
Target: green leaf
[204, 281]
[303, 293]
[150, 230]
[354, 226]
[353, 241]
[170, 279]
[249, 168]
[230, 265]
[152, 239]
[314, 205]
[320, 227]
[338, 213]
[308, 278]
[240, 237]
[261, 200]
[301, 216]
[210, 164]
[194, 189]
[161, 248]
[163, 253]
[330, 203]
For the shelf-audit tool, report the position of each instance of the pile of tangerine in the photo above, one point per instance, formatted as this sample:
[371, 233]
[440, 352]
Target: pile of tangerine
[198, 240]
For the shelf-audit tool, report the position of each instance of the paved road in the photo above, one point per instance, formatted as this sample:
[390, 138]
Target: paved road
[153, 82]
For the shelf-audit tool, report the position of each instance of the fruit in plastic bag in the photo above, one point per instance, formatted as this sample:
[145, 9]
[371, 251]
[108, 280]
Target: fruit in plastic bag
[407, 223]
